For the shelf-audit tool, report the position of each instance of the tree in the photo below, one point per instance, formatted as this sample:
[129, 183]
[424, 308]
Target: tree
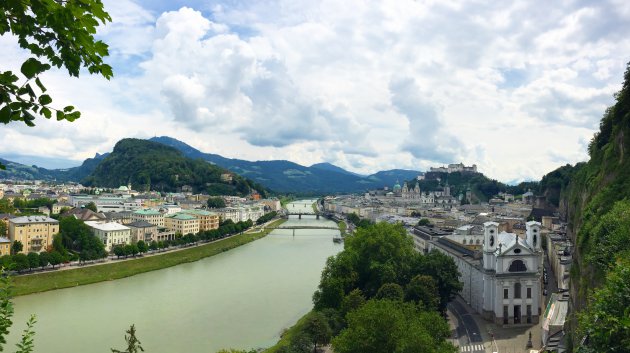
[390, 291]
[33, 260]
[44, 259]
[216, 202]
[25, 345]
[423, 289]
[119, 251]
[443, 270]
[56, 33]
[91, 206]
[21, 262]
[55, 258]
[316, 326]
[133, 344]
[153, 245]
[393, 326]
[142, 246]
[354, 300]
[16, 247]
[424, 222]
[3, 229]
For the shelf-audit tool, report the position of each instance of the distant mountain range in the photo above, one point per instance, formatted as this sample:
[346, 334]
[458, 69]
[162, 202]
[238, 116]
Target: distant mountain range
[278, 175]
[286, 176]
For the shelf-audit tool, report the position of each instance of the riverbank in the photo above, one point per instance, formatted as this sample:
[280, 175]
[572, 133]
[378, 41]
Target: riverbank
[42, 282]
[342, 227]
[287, 335]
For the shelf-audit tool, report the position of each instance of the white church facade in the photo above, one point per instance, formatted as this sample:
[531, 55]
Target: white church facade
[503, 284]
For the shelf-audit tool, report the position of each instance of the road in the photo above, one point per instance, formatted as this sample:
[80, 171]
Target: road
[468, 334]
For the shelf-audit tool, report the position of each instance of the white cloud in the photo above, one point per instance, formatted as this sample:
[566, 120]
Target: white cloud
[511, 86]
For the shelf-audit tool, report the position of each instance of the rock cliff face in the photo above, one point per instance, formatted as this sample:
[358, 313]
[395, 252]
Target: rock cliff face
[592, 190]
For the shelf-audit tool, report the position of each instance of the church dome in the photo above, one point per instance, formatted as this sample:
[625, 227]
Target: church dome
[397, 187]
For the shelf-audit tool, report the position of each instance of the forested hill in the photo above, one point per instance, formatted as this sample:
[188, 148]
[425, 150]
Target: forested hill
[595, 197]
[482, 187]
[150, 165]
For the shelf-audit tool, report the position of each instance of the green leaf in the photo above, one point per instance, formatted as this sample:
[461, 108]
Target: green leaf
[40, 85]
[5, 114]
[73, 116]
[60, 115]
[44, 99]
[68, 109]
[46, 112]
[31, 67]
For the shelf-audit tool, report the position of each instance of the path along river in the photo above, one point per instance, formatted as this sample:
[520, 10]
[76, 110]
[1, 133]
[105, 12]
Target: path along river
[242, 298]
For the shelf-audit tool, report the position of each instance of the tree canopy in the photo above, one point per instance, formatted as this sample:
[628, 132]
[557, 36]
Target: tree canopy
[390, 326]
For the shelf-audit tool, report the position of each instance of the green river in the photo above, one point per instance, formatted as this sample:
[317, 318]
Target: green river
[242, 298]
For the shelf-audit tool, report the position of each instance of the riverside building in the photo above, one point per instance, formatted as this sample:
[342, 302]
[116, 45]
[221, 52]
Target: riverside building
[34, 232]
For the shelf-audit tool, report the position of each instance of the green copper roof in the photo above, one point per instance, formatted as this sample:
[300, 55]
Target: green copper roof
[182, 217]
[199, 212]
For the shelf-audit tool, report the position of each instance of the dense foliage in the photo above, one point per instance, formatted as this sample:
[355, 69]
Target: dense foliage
[380, 295]
[75, 237]
[606, 322]
[150, 165]
[391, 326]
[598, 222]
[215, 202]
[266, 217]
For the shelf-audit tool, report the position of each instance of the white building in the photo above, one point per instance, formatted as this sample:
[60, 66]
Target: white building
[504, 283]
[110, 233]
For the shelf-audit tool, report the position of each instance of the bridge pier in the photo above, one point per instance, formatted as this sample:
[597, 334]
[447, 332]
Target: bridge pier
[300, 216]
[294, 232]
[317, 217]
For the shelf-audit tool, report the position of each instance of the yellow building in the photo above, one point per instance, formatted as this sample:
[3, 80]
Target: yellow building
[182, 223]
[149, 215]
[5, 246]
[207, 220]
[34, 232]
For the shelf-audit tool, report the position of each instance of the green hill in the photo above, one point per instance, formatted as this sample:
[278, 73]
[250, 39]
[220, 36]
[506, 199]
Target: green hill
[594, 197]
[482, 187]
[150, 165]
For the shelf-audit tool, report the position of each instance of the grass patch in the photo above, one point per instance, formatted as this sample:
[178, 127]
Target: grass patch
[287, 336]
[42, 282]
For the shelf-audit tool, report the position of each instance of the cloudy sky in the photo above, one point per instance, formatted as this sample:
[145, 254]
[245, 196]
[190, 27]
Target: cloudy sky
[517, 87]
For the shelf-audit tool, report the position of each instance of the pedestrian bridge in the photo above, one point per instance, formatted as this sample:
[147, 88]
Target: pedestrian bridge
[304, 227]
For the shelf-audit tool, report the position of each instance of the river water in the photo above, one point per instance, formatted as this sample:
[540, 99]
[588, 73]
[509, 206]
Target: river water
[242, 299]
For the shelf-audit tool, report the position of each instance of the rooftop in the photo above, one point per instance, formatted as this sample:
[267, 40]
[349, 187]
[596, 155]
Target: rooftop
[182, 217]
[32, 219]
[147, 212]
[110, 226]
[141, 224]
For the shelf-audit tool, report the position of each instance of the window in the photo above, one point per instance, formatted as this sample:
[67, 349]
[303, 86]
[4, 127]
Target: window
[529, 314]
[517, 290]
[517, 266]
[506, 293]
[529, 292]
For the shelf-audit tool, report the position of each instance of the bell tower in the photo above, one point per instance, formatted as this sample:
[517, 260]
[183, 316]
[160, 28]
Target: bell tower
[533, 235]
[490, 243]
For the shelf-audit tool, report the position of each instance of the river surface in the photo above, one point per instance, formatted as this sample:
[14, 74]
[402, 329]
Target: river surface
[242, 298]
